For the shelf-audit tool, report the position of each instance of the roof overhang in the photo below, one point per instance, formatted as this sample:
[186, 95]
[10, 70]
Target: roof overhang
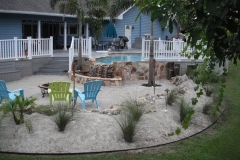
[38, 13]
[121, 15]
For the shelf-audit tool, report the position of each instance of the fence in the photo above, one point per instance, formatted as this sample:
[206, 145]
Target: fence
[166, 50]
[86, 46]
[25, 48]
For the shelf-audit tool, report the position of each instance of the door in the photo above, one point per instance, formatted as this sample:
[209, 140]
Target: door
[128, 32]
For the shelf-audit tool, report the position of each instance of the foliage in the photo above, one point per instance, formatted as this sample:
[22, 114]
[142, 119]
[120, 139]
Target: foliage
[62, 118]
[128, 125]
[178, 131]
[221, 141]
[46, 110]
[185, 113]
[207, 108]
[17, 107]
[208, 90]
[134, 109]
[133, 112]
[172, 97]
[190, 72]
[216, 22]
[29, 126]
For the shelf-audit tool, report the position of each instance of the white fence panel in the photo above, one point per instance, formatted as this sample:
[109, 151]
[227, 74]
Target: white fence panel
[25, 48]
[165, 50]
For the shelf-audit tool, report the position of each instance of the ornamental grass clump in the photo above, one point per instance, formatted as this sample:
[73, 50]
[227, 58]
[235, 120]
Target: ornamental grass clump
[133, 111]
[128, 125]
[185, 113]
[62, 118]
[46, 110]
[172, 97]
[134, 108]
[208, 90]
[207, 108]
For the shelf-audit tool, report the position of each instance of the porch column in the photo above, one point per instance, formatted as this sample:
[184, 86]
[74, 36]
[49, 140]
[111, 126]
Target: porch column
[65, 36]
[39, 29]
[87, 30]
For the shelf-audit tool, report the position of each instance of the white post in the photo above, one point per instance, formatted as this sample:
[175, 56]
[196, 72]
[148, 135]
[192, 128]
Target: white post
[65, 36]
[71, 53]
[143, 47]
[39, 29]
[51, 46]
[90, 47]
[87, 30]
[15, 48]
[29, 50]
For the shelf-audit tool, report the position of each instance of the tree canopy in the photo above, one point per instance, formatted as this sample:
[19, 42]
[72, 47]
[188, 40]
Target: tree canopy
[215, 22]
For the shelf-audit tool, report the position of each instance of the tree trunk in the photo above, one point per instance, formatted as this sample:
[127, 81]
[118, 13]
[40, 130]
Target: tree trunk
[151, 81]
[17, 121]
[79, 67]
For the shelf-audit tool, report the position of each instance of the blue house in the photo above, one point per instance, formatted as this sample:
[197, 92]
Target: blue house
[23, 18]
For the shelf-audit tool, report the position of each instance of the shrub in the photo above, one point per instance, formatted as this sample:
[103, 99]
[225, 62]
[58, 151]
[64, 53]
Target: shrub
[17, 107]
[208, 90]
[46, 110]
[172, 97]
[62, 118]
[207, 108]
[29, 126]
[134, 108]
[185, 113]
[128, 125]
[190, 72]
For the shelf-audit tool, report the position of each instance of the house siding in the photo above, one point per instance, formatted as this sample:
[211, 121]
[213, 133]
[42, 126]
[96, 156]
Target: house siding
[11, 25]
[141, 27]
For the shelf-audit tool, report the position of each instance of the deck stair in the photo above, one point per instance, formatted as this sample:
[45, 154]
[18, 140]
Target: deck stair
[56, 66]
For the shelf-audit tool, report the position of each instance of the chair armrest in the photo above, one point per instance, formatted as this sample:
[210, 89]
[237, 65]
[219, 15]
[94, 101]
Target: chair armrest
[21, 91]
[77, 90]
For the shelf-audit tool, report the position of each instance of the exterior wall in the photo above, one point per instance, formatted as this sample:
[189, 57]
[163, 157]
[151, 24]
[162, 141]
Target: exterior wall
[11, 25]
[141, 27]
[166, 33]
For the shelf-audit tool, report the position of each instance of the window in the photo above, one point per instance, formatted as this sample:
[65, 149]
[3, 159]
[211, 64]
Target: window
[29, 28]
[72, 29]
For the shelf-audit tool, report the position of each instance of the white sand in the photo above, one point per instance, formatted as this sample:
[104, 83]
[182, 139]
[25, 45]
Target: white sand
[92, 131]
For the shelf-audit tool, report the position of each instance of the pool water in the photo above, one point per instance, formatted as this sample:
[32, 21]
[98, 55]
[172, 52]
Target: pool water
[119, 57]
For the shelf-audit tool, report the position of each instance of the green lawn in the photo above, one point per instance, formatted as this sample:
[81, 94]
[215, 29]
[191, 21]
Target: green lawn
[220, 142]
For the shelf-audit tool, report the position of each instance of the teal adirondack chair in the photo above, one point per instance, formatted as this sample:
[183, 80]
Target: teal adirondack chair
[91, 90]
[60, 91]
[10, 95]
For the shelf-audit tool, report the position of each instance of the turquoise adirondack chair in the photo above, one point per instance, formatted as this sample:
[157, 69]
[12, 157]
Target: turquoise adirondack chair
[60, 91]
[91, 90]
[10, 95]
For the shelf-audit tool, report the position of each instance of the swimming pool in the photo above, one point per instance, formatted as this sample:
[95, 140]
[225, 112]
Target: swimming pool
[119, 57]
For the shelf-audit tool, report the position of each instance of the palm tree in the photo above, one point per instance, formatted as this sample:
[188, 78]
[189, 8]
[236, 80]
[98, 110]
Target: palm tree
[82, 8]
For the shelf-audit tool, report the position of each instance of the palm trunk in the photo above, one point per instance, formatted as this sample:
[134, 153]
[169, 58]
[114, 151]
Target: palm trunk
[151, 72]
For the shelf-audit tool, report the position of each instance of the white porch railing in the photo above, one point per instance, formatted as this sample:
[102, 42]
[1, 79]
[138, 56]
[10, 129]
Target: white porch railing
[25, 48]
[86, 44]
[166, 50]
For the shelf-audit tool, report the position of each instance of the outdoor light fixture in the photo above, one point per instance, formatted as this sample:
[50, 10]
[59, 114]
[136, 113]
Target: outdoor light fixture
[167, 90]
[132, 27]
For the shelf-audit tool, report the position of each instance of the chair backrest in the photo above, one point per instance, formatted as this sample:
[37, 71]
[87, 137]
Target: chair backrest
[92, 88]
[59, 90]
[3, 90]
